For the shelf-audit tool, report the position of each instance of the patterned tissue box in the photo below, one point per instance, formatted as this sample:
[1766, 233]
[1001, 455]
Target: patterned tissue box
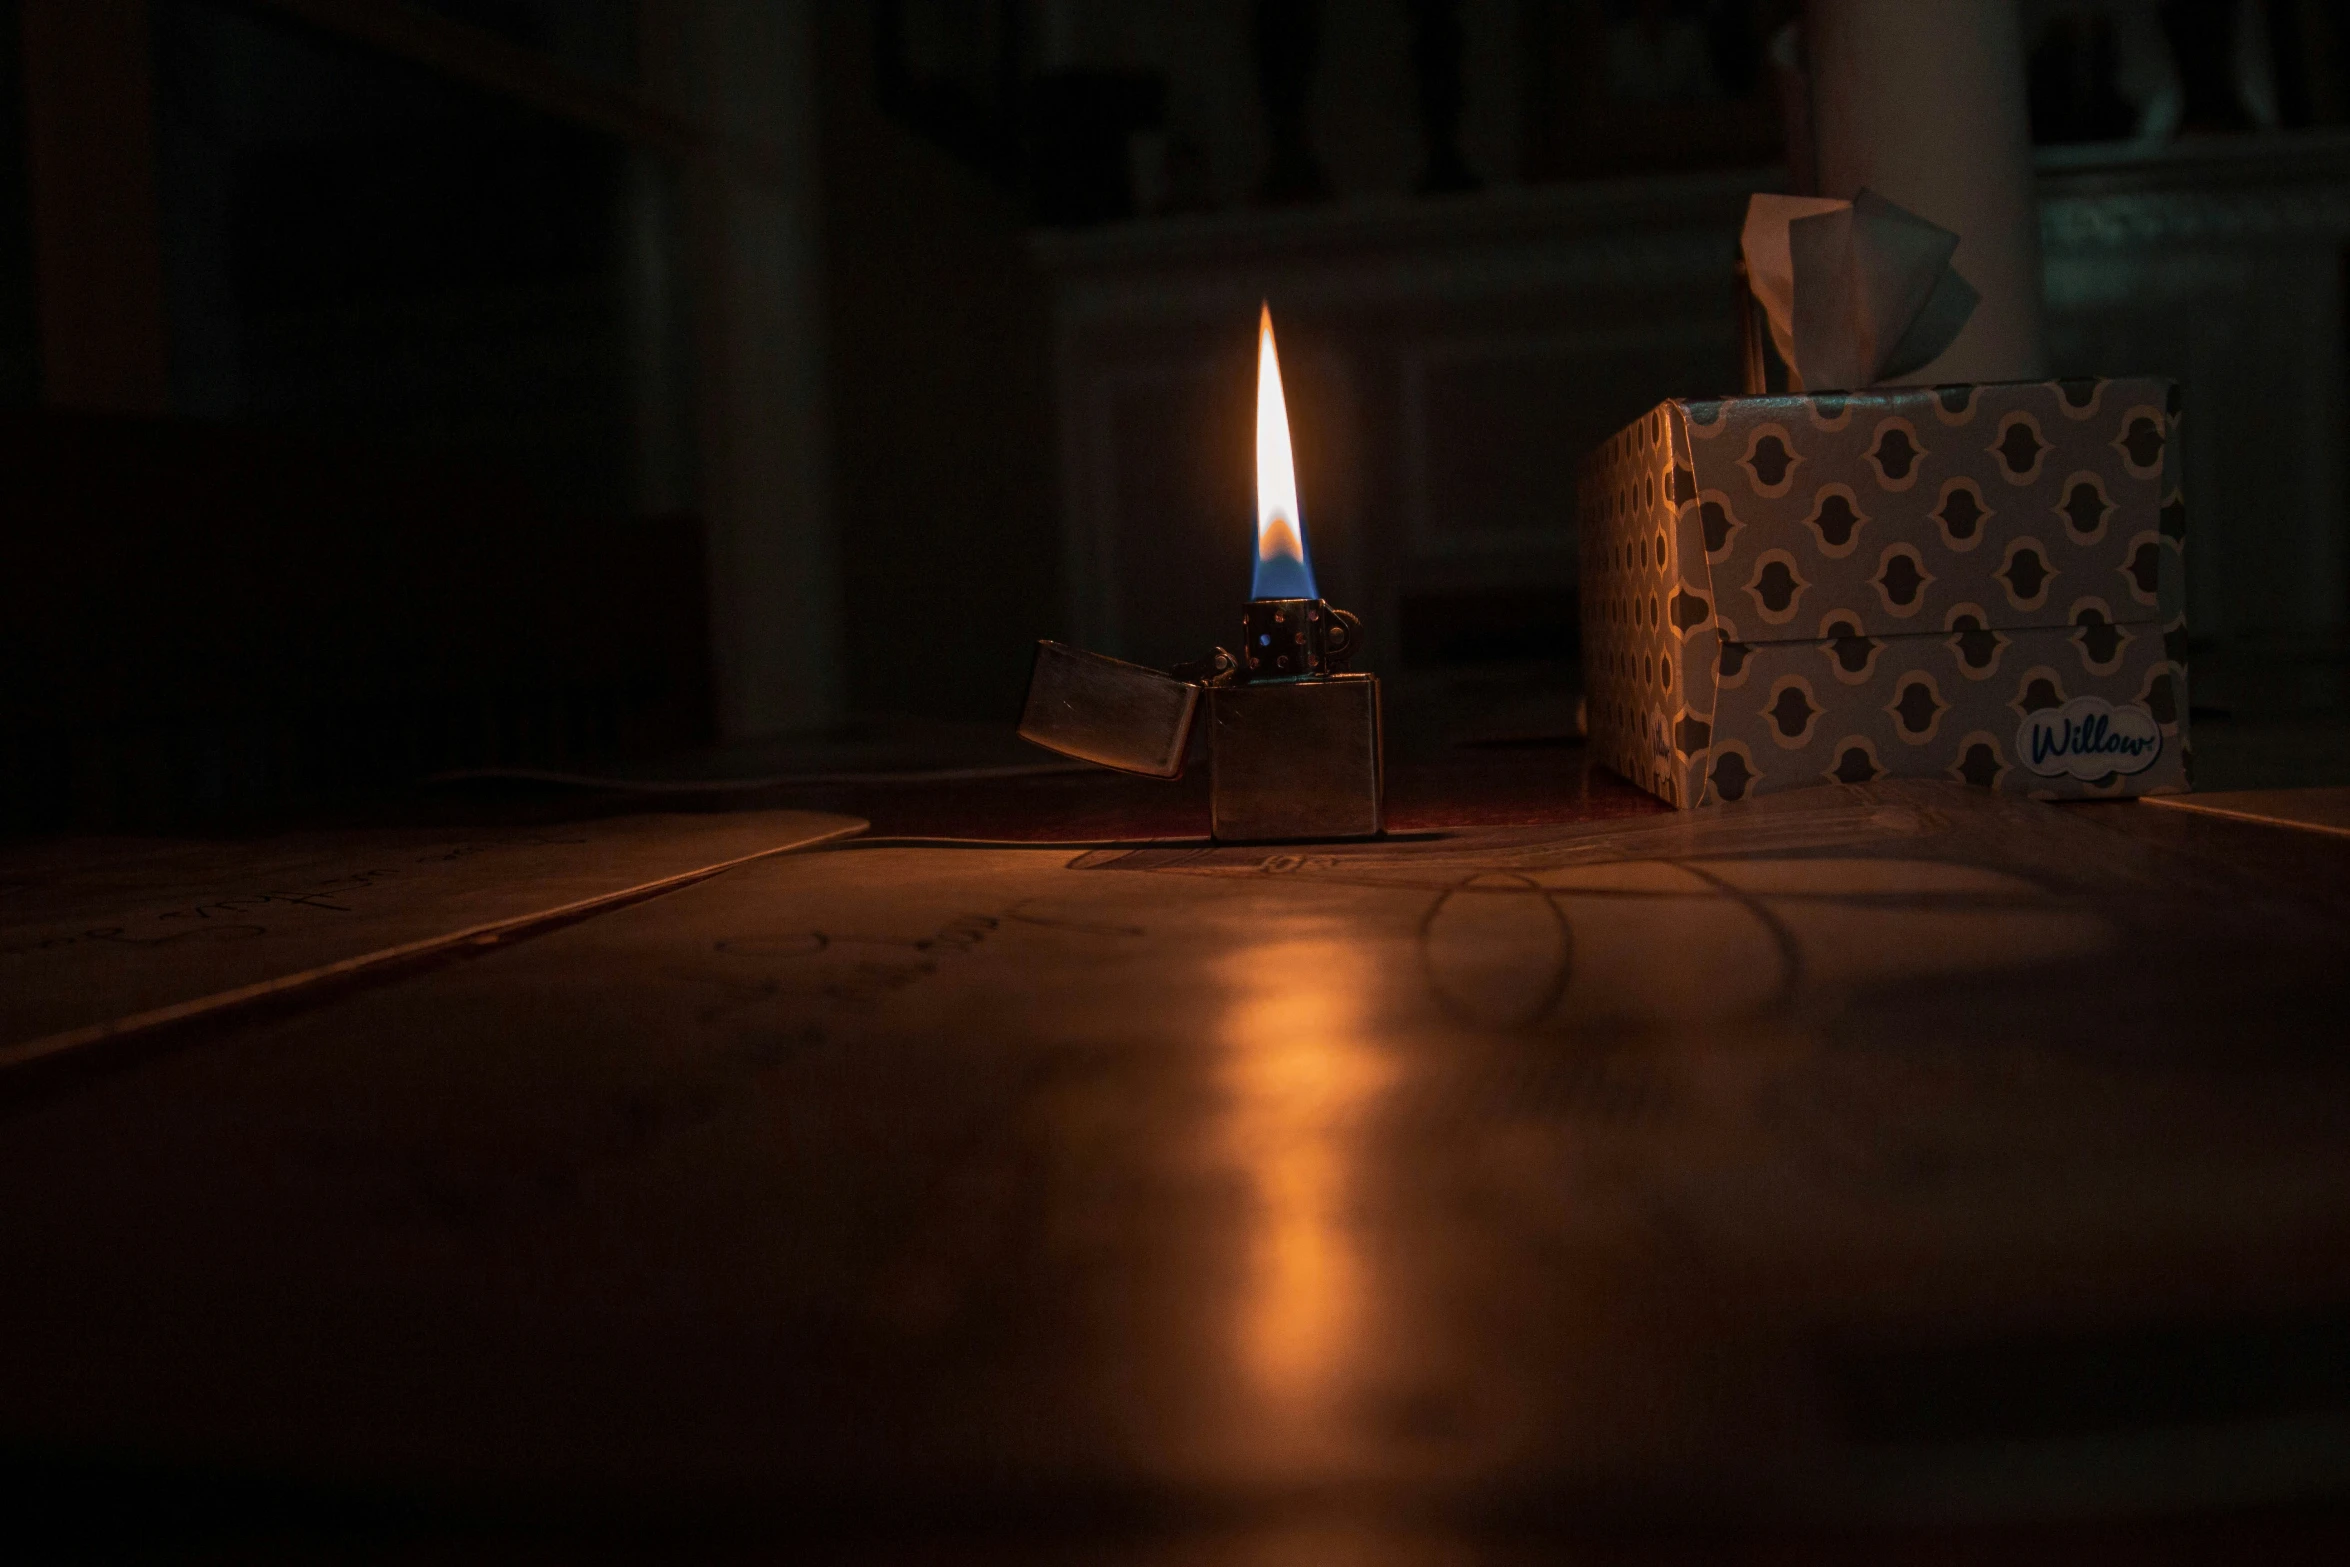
[1982, 583]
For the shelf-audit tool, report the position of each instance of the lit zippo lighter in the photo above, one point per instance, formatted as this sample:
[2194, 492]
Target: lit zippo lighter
[1294, 744]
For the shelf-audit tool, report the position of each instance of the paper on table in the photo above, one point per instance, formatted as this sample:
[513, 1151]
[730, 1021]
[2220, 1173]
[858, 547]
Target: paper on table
[92, 931]
[2309, 810]
[1856, 292]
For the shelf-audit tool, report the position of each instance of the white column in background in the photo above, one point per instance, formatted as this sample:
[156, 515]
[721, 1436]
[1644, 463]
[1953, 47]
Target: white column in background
[746, 69]
[1922, 101]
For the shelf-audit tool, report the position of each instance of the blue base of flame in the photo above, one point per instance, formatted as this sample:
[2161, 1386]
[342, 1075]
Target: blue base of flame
[1283, 577]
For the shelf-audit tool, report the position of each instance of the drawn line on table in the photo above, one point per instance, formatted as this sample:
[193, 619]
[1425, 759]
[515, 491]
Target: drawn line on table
[382, 962]
[1555, 986]
[2265, 819]
[1782, 934]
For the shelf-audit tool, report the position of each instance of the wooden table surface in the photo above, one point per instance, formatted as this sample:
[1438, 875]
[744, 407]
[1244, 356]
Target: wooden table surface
[1888, 1174]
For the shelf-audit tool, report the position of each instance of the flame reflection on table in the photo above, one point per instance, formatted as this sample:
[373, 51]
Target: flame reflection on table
[1302, 1074]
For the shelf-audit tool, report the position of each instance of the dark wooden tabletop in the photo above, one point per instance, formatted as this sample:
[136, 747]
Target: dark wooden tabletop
[1888, 1174]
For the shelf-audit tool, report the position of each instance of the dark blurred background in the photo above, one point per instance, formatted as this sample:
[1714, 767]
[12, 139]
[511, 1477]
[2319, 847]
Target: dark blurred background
[392, 386]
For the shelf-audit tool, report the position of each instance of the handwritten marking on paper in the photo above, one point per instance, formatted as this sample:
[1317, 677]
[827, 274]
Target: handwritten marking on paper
[866, 982]
[1291, 864]
[229, 918]
[474, 846]
[1023, 913]
[852, 978]
[216, 918]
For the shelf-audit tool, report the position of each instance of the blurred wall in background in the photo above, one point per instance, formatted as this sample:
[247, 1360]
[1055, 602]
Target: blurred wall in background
[398, 385]
[941, 406]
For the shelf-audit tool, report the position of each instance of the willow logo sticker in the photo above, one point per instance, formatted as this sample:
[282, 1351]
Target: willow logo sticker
[2089, 738]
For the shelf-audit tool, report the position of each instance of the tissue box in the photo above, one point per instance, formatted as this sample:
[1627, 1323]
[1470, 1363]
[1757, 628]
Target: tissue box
[1981, 583]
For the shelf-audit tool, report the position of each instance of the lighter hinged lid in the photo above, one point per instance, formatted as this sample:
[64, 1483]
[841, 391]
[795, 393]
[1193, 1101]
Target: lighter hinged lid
[1106, 711]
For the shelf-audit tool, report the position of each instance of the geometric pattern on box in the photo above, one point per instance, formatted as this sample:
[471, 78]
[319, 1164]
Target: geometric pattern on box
[1983, 583]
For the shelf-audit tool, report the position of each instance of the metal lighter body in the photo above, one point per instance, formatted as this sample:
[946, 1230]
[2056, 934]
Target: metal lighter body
[1296, 759]
[1295, 742]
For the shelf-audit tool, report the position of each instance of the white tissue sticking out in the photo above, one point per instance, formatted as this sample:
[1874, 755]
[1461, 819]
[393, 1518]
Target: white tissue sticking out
[1857, 292]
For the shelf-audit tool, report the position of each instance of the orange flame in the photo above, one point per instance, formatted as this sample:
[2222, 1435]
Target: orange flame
[1282, 569]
